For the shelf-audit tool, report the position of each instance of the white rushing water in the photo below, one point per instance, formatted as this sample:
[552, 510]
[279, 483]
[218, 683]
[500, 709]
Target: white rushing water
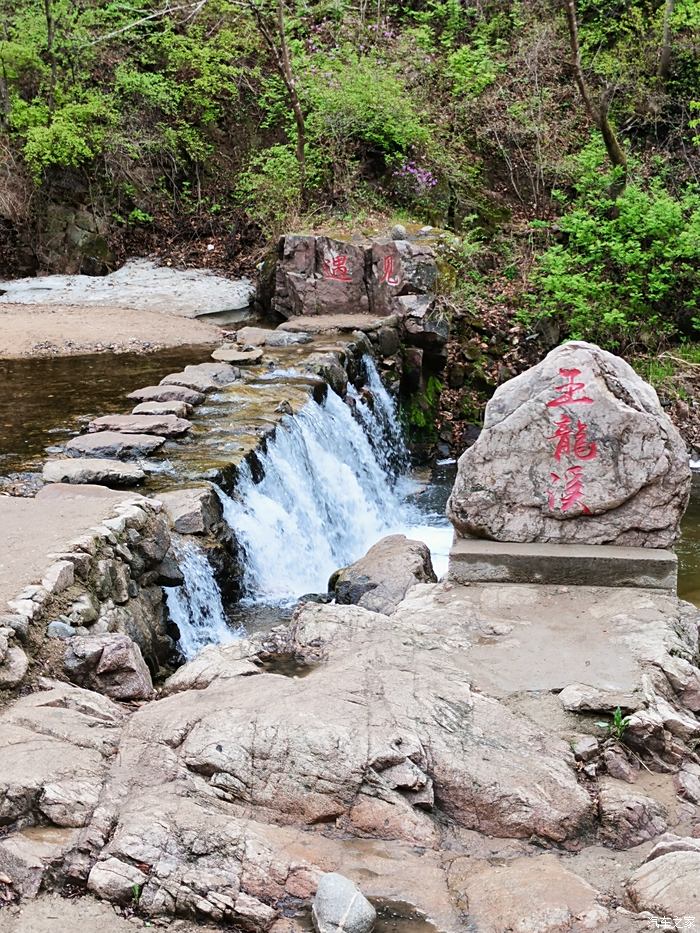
[196, 607]
[331, 488]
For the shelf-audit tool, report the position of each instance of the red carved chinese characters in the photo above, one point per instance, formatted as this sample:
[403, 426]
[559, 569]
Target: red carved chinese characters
[567, 439]
[336, 268]
[567, 391]
[572, 442]
[573, 490]
[388, 272]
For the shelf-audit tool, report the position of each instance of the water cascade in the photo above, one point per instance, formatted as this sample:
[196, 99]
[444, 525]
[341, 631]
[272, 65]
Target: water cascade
[196, 607]
[332, 485]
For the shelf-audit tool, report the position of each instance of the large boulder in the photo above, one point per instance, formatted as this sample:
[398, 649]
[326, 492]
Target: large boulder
[381, 579]
[111, 664]
[340, 907]
[317, 275]
[576, 449]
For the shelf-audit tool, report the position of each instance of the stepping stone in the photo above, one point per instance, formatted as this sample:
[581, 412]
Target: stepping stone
[261, 336]
[203, 377]
[181, 409]
[100, 472]
[113, 444]
[164, 425]
[229, 354]
[167, 393]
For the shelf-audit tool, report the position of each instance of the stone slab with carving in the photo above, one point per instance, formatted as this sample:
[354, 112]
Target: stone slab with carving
[575, 450]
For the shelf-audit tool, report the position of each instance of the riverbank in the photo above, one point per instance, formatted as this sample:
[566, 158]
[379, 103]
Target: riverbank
[48, 330]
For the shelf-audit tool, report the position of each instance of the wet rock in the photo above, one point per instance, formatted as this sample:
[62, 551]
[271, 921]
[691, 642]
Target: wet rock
[110, 664]
[340, 907]
[113, 444]
[93, 470]
[380, 580]
[13, 668]
[203, 377]
[628, 819]
[179, 409]
[577, 449]
[192, 511]
[168, 393]
[236, 356]
[163, 425]
[261, 336]
[532, 895]
[388, 341]
[667, 885]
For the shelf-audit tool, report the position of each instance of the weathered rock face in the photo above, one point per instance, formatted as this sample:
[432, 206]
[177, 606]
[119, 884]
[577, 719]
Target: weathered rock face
[192, 511]
[577, 449]
[317, 275]
[109, 664]
[381, 579]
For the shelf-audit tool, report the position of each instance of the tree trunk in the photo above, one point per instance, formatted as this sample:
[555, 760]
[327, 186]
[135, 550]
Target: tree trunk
[599, 113]
[288, 77]
[665, 57]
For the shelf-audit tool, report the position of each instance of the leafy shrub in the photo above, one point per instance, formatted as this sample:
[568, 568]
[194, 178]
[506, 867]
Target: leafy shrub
[270, 188]
[622, 270]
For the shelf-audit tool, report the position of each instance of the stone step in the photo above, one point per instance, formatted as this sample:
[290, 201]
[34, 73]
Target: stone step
[474, 560]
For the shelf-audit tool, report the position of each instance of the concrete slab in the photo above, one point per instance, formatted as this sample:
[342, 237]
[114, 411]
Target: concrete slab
[32, 529]
[477, 561]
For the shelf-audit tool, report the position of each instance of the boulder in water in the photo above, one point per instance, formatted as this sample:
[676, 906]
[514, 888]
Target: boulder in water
[168, 393]
[381, 579]
[101, 472]
[163, 425]
[575, 450]
[180, 409]
[229, 354]
[192, 511]
[203, 377]
[113, 444]
[340, 907]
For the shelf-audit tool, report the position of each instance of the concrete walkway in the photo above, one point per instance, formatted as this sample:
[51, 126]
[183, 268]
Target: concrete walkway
[32, 529]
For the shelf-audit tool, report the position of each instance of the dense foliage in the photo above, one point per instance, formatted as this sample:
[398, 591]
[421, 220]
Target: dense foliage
[464, 115]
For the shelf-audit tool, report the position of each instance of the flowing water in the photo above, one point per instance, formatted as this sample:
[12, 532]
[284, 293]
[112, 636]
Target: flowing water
[196, 607]
[332, 485]
[46, 401]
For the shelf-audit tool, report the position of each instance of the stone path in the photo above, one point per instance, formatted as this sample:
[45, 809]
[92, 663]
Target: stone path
[32, 529]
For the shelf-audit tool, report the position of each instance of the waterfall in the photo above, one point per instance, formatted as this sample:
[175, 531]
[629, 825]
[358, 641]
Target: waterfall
[381, 423]
[196, 607]
[332, 486]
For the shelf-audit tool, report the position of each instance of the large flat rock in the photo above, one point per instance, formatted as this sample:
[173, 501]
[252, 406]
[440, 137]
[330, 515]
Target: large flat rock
[478, 561]
[113, 444]
[32, 529]
[325, 323]
[167, 393]
[93, 470]
[139, 284]
[165, 425]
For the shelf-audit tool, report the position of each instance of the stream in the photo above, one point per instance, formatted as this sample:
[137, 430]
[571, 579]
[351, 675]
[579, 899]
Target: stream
[331, 482]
